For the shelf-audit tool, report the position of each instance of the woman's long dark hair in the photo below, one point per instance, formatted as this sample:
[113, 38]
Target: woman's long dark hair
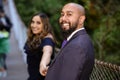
[34, 40]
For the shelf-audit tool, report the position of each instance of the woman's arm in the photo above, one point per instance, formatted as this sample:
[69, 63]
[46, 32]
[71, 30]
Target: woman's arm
[47, 52]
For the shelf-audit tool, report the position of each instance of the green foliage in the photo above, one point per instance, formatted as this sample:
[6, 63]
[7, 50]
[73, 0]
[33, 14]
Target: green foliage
[106, 36]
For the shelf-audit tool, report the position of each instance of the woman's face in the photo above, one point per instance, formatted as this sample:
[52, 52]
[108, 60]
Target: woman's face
[36, 25]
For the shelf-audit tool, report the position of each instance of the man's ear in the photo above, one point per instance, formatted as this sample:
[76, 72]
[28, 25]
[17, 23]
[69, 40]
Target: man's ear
[82, 19]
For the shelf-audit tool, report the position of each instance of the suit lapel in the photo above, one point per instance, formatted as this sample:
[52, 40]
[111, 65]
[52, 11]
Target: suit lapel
[81, 32]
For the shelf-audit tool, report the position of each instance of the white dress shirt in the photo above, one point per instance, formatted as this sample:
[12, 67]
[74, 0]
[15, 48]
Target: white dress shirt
[74, 33]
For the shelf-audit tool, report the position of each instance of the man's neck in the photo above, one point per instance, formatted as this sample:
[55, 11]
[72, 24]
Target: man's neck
[68, 38]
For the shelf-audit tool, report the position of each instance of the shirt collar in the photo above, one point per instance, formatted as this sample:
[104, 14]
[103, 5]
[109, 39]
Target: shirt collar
[74, 33]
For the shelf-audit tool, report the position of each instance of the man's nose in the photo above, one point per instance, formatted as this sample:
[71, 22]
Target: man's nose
[63, 18]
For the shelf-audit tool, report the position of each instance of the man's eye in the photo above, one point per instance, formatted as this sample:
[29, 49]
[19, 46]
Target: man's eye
[62, 14]
[69, 14]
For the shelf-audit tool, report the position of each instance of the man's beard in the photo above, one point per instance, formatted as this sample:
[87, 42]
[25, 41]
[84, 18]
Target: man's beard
[68, 32]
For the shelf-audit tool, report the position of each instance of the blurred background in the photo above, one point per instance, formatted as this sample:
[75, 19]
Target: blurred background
[102, 24]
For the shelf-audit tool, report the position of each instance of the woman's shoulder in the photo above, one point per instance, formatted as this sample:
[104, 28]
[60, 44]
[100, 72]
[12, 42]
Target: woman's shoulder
[49, 36]
[48, 40]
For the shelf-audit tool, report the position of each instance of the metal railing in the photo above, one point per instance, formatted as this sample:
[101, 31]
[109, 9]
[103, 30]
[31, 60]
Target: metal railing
[105, 71]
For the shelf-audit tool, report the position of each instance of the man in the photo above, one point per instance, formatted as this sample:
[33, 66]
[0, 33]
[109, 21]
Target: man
[75, 60]
[5, 27]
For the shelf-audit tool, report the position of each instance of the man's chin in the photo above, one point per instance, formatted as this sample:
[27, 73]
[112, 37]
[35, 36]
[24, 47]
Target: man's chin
[65, 33]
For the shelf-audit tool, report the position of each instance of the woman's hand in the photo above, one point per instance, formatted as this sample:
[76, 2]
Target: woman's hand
[43, 69]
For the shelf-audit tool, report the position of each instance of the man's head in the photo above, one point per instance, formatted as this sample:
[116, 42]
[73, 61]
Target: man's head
[72, 18]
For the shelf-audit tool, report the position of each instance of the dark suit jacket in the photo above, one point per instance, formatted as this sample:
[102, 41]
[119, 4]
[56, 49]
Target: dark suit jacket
[75, 61]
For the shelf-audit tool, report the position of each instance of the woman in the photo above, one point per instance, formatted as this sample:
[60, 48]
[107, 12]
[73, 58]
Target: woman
[39, 46]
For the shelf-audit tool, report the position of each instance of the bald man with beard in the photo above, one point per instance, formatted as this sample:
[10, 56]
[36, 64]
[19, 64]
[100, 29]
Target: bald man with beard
[75, 60]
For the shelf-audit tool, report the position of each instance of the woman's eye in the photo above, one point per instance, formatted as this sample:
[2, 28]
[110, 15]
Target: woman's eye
[32, 22]
[38, 23]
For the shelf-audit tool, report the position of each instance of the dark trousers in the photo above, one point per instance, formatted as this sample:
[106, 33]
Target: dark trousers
[3, 60]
